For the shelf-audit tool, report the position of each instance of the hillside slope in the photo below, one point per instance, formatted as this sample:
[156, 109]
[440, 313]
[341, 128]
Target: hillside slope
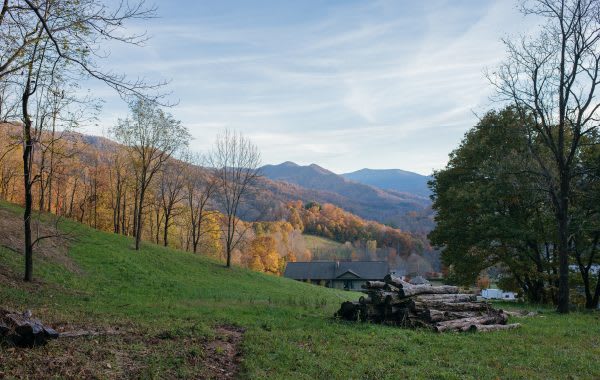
[170, 312]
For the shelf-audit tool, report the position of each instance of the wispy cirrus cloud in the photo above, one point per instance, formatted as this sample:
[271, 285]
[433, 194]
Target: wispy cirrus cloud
[346, 84]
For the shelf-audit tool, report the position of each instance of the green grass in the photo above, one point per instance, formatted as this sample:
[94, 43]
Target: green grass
[290, 333]
[316, 242]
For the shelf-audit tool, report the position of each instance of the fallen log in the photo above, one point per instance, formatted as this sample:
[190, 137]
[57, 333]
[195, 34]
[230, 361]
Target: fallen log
[394, 299]
[374, 285]
[453, 306]
[488, 328]
[432, 316]
[396, 281]
[383, 297]
[465, 323]
[24, 331]
[449, 298]
[464, 314]
[414, 290]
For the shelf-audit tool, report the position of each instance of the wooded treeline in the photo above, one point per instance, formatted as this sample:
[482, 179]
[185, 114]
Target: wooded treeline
[93, 180]
[494, 212]
[535, 185]
[363, 239]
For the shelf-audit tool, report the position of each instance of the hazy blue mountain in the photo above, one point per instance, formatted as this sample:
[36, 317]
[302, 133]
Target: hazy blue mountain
[392, 179]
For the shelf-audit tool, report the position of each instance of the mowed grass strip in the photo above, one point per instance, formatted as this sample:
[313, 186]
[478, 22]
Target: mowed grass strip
[167, 303]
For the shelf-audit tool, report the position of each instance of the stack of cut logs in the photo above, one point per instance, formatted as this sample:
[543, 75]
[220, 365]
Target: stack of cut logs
[441, 308]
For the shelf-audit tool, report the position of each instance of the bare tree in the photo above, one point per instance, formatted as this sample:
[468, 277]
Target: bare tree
[172, 182]
[74, 32]
[28, 181]
[117, 174]
[200, 186]
[42, 38]
[235, 160]
[152, 137]
[552, 79]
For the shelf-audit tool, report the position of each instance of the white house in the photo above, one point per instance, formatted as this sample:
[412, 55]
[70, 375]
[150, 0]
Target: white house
[498, 294]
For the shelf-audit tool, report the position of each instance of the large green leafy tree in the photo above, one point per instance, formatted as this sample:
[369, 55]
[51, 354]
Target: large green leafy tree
[552, 77]
[585, 221]
[490, 210]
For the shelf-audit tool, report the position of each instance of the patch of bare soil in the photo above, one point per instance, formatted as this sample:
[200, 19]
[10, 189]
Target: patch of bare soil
[222, 355]
[55, 248]
[125, 353]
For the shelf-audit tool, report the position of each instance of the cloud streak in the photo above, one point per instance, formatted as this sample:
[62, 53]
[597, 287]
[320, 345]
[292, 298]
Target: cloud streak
[345, 84]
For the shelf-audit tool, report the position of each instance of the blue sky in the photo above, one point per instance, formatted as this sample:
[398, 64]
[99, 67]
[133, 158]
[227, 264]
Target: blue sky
[344, 84]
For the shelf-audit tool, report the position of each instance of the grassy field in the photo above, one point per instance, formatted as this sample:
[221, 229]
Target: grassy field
[316, 242]
[168, 306]
[326, 249]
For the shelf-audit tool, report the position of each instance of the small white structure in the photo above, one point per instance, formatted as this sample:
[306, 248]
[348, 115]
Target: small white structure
[498, 294]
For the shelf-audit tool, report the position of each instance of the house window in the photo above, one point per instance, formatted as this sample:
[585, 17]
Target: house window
[348, 284]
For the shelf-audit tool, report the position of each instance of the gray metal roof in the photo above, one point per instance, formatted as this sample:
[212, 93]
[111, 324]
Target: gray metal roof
[329, 270]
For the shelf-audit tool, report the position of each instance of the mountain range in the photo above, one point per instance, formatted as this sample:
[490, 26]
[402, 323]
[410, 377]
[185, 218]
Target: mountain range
[392, 179]
[393, 197]
[403, 203]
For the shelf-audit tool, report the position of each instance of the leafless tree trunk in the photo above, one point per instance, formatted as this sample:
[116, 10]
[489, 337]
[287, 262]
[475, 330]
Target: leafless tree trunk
[199, 189]
[236, 162]
[27, 180]
[171, 194]
[116, 175]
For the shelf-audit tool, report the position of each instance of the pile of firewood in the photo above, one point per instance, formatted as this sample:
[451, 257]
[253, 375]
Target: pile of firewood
[441, 308]
[23, 330]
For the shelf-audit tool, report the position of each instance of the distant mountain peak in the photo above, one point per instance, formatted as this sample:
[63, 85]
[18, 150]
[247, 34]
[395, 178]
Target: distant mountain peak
[392, 179]
[289, 164]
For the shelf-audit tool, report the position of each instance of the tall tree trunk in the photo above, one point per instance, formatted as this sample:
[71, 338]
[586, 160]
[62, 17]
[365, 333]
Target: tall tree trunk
[195, 238]
[166, 230]
[563, 245]
[117, 211]
[138, 226]
[72, 201]
[95, 198]
[157, 237]
[124, 220]
[596, 298]
[230, 235]
[27, 156]
[228, 265]
[58, 207]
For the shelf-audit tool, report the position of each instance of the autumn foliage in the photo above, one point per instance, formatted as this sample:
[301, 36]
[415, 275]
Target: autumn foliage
[91, 180]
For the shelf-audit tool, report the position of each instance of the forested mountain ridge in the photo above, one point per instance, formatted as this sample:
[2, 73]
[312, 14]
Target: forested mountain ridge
[408, 211]
[392, 179]
[288, 182]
